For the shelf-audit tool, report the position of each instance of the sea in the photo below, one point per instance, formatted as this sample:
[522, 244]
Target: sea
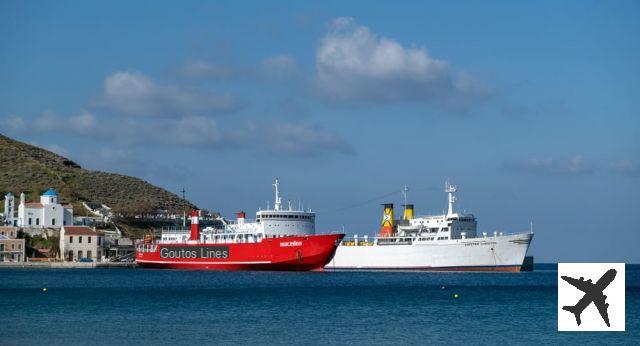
[143, 306]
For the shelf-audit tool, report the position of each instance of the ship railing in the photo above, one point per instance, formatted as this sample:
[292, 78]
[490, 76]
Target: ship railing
[175, 230]
[497, 234]
[358, 241]
[367, 238]
[235, 222]
[146, 247]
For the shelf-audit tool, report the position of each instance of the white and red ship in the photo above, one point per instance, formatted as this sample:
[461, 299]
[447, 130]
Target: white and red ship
[278, 239]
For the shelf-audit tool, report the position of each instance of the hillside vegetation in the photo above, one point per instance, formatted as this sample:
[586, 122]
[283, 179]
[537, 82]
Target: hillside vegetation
[29, 169]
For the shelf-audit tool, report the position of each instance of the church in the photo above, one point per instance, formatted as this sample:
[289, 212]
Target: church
[48, 213]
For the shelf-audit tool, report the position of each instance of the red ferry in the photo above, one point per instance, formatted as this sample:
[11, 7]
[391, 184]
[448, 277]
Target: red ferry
[278, 239]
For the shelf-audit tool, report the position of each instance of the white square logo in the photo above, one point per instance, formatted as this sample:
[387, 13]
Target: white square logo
[591, 297]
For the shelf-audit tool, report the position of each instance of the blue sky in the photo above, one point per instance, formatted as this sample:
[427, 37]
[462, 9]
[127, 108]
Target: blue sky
[531, 108]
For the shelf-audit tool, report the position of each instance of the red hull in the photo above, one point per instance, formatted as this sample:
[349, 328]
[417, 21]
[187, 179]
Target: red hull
[296, 253]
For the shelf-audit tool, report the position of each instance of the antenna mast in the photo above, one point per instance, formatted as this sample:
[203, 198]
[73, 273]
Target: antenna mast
[278, 202]
[404, 193]
[450, 189]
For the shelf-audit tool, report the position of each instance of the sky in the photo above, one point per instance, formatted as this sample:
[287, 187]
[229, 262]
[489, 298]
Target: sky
[531, 108]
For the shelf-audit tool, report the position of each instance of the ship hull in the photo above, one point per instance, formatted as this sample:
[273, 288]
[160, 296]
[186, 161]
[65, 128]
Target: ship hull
[499, 254]
[295, 253]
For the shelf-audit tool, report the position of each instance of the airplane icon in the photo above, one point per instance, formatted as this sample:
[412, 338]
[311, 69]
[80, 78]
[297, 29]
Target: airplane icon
[592, 293]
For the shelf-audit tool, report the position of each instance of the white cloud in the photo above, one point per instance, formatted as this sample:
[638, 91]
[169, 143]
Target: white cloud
[278, 139]
[13, 124]
[191, 130]
[134, 93]
[573, 165]
[49, 122]
[626, 167]
[129, 162]
[185, 131]
[354, 65]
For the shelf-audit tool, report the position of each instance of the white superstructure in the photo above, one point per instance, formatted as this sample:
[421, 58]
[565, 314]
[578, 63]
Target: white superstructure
[269, 223]
[435, 242]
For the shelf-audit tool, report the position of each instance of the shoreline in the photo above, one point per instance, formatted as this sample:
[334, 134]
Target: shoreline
[67, 265]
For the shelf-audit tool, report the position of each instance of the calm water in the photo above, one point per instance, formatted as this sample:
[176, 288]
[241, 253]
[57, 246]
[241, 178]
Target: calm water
[135, 306]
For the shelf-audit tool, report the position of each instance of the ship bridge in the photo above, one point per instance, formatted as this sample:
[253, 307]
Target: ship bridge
[279, 221]
[451, 225]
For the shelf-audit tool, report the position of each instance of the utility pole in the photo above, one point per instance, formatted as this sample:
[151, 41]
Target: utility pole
[184, 212]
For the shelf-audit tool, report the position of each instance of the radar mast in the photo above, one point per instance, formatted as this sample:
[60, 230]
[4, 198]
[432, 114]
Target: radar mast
[450, 189]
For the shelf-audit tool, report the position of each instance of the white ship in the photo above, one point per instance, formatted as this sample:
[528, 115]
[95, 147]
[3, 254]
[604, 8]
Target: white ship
[447, 242]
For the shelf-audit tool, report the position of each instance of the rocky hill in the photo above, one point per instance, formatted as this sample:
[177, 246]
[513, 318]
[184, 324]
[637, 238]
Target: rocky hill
[31, 169]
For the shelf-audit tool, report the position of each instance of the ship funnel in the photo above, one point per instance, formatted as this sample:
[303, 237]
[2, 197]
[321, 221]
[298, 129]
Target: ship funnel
[408, 212]
[241, 216]
[386, 230]
[195, 227]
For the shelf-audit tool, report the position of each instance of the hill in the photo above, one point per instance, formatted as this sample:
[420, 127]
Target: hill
[29, 169]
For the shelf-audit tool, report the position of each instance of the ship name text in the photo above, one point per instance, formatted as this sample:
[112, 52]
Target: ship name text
[205, 252]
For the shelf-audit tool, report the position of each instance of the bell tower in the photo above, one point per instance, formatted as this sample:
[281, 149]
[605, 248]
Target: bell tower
[9, 208]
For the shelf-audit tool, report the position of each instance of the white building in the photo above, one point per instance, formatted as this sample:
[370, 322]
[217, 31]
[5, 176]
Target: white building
[78, 242]
[48, 213]
[9, 209]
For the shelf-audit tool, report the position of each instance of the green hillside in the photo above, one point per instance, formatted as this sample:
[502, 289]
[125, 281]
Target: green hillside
[29, 169]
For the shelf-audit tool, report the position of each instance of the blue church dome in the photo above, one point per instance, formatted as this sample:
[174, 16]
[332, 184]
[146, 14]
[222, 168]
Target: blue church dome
[50, 192]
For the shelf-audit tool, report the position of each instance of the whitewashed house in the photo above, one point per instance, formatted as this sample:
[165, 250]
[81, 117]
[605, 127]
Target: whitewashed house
[48, 213]
[77, 242]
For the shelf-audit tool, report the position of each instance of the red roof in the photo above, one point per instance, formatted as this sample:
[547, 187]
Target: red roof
[79, 230]
[33, 205]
